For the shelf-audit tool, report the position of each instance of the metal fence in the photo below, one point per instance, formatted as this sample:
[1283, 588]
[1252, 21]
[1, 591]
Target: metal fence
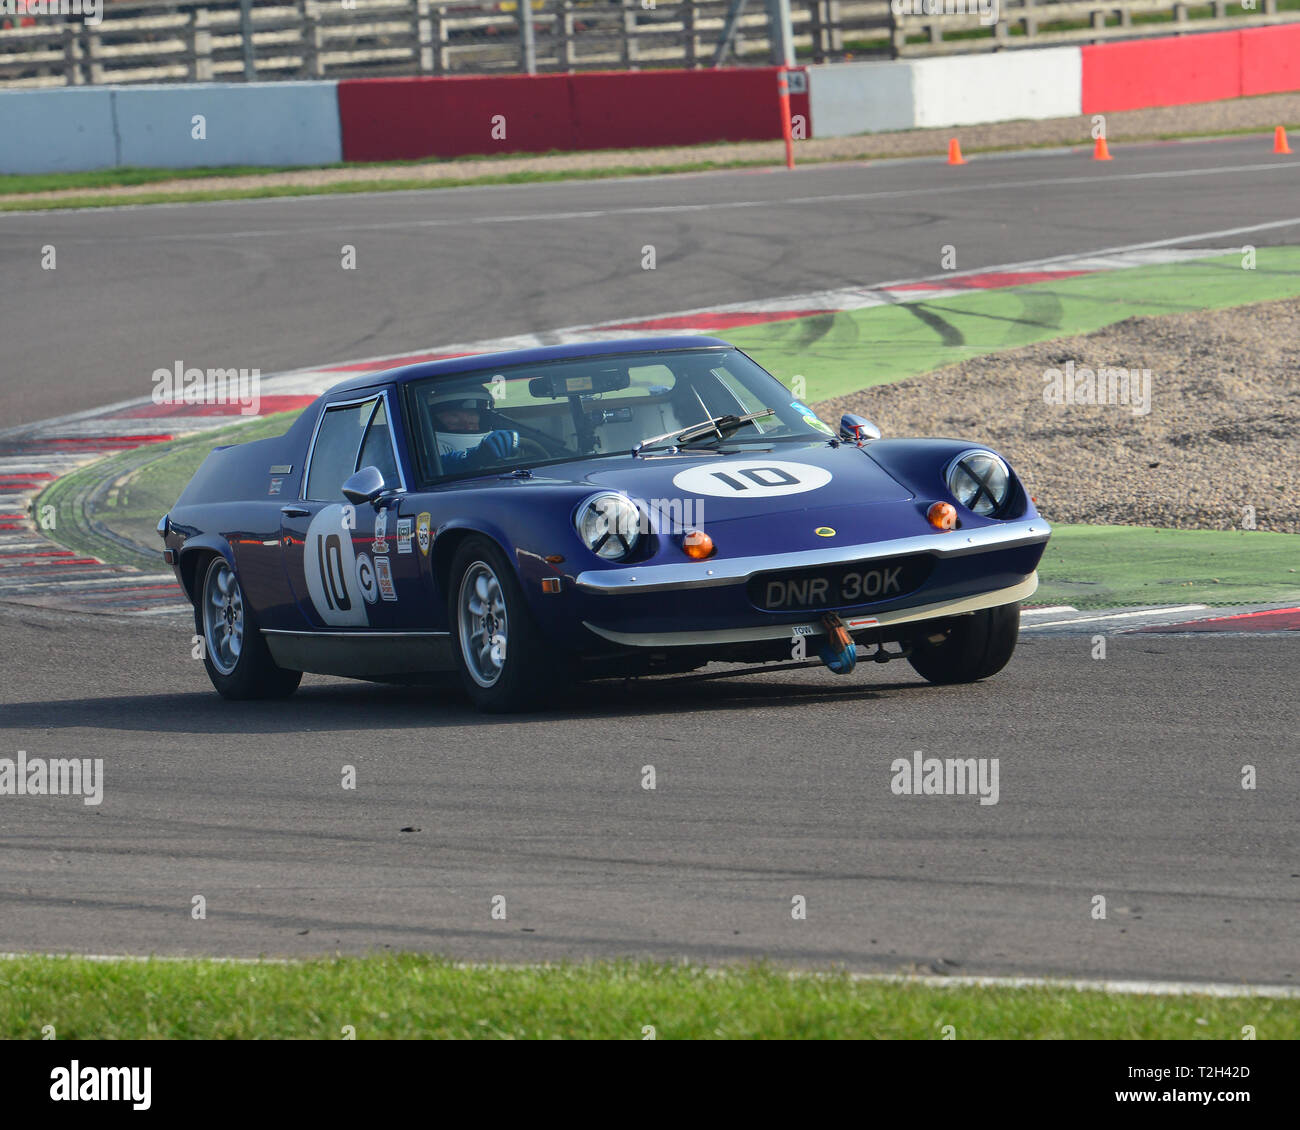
[205, 40]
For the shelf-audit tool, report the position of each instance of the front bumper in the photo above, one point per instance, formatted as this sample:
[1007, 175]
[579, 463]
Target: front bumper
[706, 604]
[859, 623]
[738, 570]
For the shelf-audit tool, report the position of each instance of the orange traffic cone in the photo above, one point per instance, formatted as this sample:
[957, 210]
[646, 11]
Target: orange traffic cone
[1101, 151]
[1279, 141]
[954, 153]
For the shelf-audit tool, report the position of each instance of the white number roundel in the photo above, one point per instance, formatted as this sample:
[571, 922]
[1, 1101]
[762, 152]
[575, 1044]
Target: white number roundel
[331, 566]
[751, 478]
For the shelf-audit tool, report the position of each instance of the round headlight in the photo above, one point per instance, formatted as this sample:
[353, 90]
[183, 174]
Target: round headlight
[609, 524]
[980, 481]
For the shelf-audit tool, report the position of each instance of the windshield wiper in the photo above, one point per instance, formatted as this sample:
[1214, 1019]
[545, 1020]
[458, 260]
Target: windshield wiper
[719, 426]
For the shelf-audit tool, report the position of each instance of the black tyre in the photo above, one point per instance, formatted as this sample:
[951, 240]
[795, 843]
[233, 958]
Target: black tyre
[234, 650]
[503, 662]
[976, 646]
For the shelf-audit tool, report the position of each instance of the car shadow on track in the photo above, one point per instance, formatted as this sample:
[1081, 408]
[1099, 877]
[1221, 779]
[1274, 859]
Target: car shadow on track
[331, 704]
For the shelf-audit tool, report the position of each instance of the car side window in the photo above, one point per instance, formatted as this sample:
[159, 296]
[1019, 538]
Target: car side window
[334, 455]
[377, 449]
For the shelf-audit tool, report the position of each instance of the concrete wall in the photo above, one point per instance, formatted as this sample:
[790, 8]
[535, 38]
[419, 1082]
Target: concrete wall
[849, 98]
[274, 123]
[56, 131]
[965, 90]
[282, 123]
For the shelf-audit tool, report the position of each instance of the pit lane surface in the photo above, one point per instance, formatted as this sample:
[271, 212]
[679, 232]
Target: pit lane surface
[258, 284]
[1118, 777]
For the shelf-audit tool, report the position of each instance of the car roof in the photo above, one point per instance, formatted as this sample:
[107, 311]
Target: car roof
[473, 362]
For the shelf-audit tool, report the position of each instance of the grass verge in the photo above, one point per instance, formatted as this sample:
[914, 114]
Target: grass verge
[842, 352]
[401, 184]
[1106, 566]
[421, 997]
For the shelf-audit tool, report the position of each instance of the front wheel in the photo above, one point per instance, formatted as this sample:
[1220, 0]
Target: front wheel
[974, 647]
[500, 653]
[234, 650]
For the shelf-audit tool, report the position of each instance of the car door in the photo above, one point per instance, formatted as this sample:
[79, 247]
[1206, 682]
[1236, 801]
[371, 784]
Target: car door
[330, 547]
[391, 548]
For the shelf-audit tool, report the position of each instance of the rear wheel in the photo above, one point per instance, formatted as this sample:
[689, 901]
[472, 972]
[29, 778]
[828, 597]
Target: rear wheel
[500, 653]
[975, 647]
[234, 651]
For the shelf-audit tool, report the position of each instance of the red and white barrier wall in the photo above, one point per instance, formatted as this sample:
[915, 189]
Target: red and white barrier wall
[315, 123]
[1054, 82]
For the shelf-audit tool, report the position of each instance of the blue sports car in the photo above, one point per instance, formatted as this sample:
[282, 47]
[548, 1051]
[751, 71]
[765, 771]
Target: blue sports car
[582, 511]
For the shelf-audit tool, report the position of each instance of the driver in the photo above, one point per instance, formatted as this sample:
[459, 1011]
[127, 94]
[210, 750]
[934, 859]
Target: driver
[458, 431]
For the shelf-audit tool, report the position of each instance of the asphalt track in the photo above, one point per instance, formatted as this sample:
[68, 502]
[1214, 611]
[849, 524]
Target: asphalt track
[258, 284]
[1119, 777]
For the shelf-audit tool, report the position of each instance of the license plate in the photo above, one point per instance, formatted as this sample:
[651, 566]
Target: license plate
[839, 586]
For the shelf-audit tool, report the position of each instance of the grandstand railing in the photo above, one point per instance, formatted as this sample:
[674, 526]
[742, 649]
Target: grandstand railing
[220, 40]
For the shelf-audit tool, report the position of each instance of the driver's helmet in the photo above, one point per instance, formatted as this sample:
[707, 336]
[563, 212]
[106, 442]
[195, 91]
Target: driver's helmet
[458, 419]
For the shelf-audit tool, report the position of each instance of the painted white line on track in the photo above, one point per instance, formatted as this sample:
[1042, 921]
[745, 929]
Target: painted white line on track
[140, 957]
[1138, 988]
[1153, 611]
[1131, 987]
[1049, 611]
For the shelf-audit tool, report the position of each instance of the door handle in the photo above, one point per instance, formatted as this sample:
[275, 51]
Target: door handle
[294, 511]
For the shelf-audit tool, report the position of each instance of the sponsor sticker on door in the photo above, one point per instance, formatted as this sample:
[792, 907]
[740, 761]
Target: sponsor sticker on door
[384, 571]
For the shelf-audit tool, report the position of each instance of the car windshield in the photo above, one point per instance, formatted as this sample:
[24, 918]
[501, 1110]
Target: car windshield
[516, 417]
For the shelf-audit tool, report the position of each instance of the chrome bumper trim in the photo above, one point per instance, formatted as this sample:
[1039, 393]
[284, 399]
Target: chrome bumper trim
[859, 623]
[358, 634]
[702, 574]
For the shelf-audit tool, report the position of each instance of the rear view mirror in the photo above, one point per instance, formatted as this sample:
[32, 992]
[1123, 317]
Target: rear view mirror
[568, 383]
[857, 429]
[365, 485]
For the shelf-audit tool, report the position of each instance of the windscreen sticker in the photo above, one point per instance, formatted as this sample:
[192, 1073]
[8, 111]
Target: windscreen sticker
[751, 478]
[810, 417]
[330, 563]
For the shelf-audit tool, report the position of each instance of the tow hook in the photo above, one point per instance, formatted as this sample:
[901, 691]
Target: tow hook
[840, 653]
